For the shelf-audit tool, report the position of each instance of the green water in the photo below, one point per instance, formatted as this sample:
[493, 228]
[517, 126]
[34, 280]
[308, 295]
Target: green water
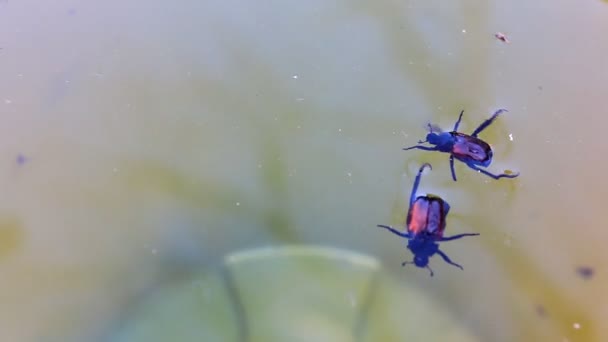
[161, 137]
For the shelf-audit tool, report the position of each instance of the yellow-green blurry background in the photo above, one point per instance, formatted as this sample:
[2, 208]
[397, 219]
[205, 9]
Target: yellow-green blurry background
[161, 135]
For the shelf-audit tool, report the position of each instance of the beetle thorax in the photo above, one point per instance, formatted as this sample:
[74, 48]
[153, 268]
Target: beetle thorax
[441, 139]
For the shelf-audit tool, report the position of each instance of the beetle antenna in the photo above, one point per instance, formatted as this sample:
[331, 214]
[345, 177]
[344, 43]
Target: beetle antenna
[427, 266]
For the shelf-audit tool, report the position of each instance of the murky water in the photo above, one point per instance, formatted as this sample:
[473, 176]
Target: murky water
[141, 142]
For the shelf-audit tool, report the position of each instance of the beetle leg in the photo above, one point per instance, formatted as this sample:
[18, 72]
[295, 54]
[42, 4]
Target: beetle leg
[407, 262]
[449, 238]
[426, 148]
[488, 122]
[447, 259]
[452, 167]
[417, 182]
[505, 175]
[458, 121]
[395, 231]
[427, 266]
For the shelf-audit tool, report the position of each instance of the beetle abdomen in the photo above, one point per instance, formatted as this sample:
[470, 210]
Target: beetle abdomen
[468, 148]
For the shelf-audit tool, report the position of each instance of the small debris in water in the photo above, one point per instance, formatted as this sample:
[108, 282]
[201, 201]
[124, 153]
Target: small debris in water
[585, 272]
[21, 159]
[511, 136]
[576, 326]
[501, 36]
[540, 310]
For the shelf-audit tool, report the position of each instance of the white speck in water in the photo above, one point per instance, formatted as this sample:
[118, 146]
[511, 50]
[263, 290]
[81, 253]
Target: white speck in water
[276, 118]
[339, 129]
[511, 137]
[576, 326]
[298, 126]
[154, 251]
[349, 174]
[404, 134]
[115, 170]
[464, 31]
[7, 101]
[259, 166]
[66, 81]
[352, 299]
[300, 99]
[238, 204]
[295, 77]
[410, 63]
[19, 75]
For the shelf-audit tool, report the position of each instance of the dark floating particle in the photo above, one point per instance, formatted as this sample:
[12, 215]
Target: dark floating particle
[21, 159]
[541, 311]
[585, 272]
[502, 37]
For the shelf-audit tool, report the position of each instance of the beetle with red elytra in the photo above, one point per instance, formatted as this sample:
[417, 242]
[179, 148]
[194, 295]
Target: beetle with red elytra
[426, 222]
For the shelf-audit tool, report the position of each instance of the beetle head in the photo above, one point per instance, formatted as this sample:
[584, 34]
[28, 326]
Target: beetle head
[421, 261]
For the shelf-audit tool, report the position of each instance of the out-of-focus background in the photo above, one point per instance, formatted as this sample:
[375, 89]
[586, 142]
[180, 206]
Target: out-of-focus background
[143, 141]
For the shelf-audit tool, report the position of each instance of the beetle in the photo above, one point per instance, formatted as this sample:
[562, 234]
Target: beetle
[425, 223]
[469, 149]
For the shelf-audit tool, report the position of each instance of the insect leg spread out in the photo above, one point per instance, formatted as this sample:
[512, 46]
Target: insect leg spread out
[425, 225]
[469, 149]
